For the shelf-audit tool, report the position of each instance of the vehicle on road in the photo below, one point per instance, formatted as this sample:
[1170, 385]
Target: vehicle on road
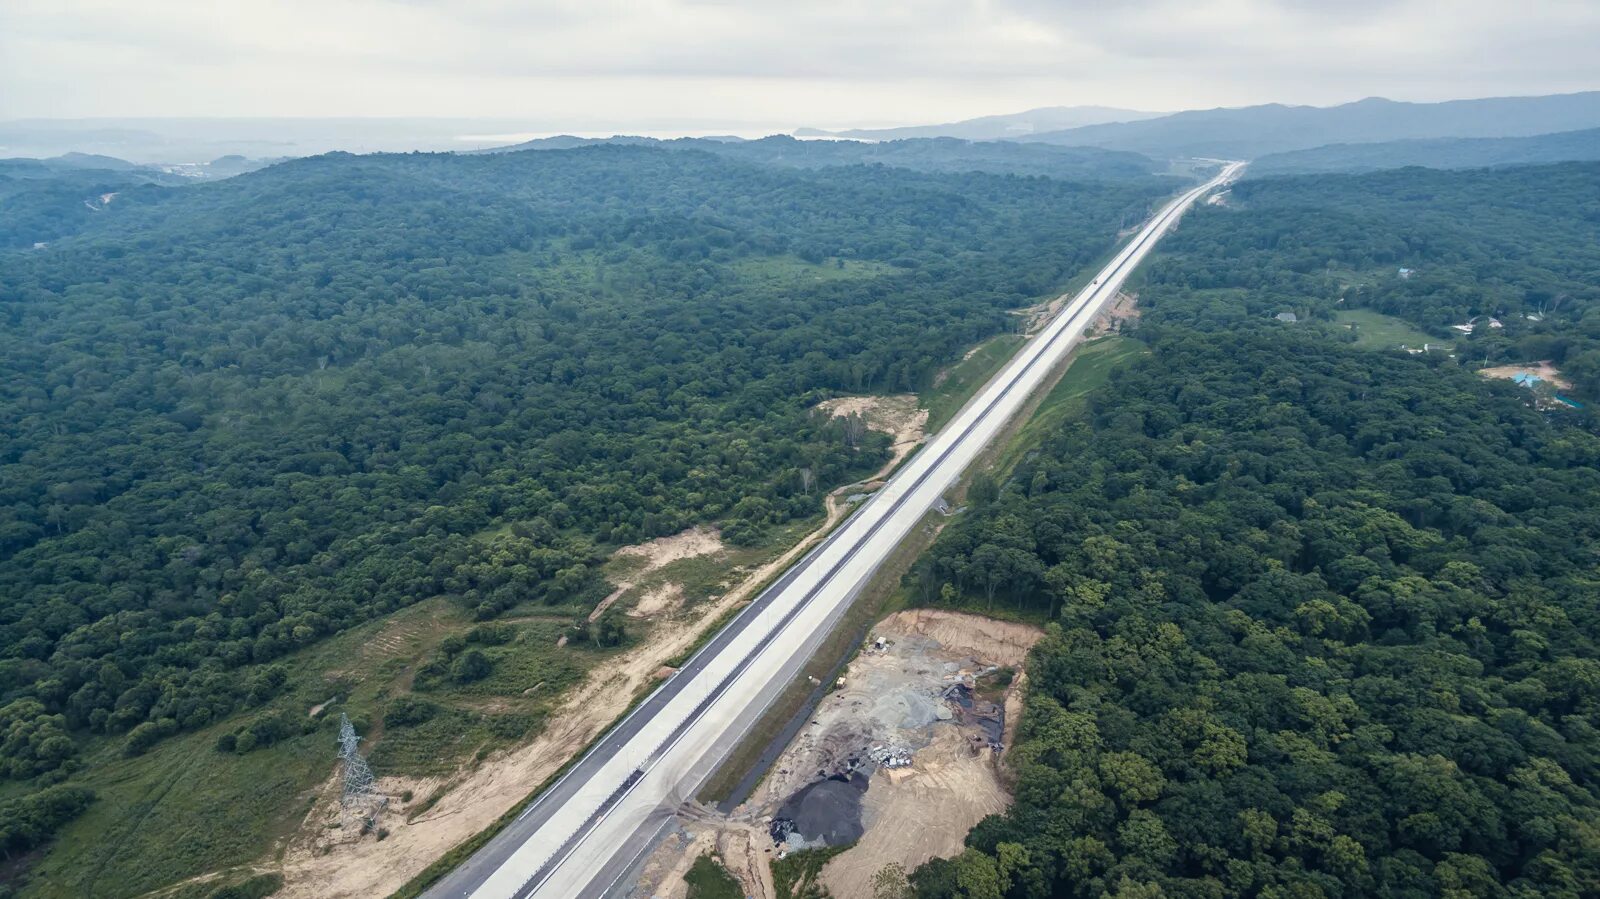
[582, 836]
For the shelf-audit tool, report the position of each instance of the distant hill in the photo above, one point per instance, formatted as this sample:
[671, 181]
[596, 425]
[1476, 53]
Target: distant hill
[569, 142]
[45, 200]
[920, 154]
[1255, 131]
[996, 127]
[23, 167]
[89, 161]
[1437, 153]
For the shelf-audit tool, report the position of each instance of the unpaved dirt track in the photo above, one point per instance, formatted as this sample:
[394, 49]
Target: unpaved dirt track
[320, 865]
[583, 835]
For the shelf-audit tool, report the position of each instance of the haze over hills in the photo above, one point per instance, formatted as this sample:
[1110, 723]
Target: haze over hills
[1253, 131]
[944, 154]
[1243, 132]
[187, 140]
[1436, 153]
[996, 127]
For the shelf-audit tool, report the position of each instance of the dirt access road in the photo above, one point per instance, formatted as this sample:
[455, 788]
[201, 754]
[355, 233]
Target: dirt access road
[326, 864]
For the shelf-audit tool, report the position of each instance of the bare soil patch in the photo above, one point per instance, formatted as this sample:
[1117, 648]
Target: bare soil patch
[1542, 370]
[990, 640]
[1038, 315]
[662, 599]
[741, 846]
[662, 551]
[907, 722]
[658, 553]
[948, 791]
[324, 863]
[897, 415]
[1120, 313]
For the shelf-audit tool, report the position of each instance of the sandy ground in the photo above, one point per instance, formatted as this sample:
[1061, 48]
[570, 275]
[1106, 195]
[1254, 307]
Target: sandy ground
[663, 599]
[658, 553]
[1039, 314]
[892, 696]
[889, 696]
[741, 847]
[696, 541]
[329, 864]
[1542, 370]
[994, 642]
[948, 791]
[1123, 311]
[897, 416]
[665, 870]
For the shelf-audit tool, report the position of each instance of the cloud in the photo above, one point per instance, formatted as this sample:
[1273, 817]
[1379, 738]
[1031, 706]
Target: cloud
[820, 62]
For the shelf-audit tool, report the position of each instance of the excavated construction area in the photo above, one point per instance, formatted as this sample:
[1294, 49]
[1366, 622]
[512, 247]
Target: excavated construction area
[913, 732]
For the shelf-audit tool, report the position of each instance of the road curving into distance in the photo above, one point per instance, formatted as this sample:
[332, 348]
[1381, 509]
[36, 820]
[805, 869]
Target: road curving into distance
[581, 836]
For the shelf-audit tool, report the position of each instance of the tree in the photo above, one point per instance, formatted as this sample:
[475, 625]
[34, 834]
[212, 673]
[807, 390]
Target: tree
[470, 666]
[977, 876]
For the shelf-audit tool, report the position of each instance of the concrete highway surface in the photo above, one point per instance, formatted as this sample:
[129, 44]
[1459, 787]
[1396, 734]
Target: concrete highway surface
[583, 835]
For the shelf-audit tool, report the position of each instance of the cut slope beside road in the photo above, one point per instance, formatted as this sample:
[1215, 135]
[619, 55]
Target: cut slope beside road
[582, 834]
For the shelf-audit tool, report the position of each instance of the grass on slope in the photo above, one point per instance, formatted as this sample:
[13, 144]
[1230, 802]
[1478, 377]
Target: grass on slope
[708, 879]
[958, 383]
[1089, 367]
[798, 875]
[186, 808]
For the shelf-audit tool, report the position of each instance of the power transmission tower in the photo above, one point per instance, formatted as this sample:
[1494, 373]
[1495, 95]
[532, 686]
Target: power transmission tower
[358, 798]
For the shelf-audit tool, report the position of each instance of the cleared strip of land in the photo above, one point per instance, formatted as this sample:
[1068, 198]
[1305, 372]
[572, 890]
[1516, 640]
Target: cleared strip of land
[581, 835]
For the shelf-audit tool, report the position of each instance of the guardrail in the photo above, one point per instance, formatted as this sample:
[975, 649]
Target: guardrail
[1036, 352]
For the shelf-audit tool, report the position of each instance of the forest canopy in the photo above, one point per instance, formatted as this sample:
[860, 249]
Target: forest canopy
[243, 416]
[1322, 621]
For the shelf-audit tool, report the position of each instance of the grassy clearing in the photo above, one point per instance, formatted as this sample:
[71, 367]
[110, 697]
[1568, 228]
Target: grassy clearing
[258, 886]
[182, 810]
[965, 377]
[1090, 366]
[708, 879]
[1377, 331]
[185, 808]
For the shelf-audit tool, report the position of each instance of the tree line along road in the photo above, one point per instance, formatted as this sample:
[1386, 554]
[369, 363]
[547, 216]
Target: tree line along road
[578, 838]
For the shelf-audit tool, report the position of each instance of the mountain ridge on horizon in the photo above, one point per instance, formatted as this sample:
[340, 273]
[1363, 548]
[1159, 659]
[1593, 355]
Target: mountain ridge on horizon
[1001, 126]
[1245, 132]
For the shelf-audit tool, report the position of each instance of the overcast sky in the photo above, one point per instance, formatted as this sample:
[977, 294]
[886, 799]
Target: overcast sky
[777, 64]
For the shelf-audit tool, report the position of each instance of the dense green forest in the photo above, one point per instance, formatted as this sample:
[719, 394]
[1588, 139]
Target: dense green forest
[42, 201]
[1322, 621]
[243, 416]
[1438, 153]
[934, 154]
[1519, 245]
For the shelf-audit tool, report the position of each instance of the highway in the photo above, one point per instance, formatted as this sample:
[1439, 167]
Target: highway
[581, 836]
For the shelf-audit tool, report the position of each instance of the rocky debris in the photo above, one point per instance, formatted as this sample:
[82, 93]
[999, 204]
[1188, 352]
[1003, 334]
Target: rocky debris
[888, 755]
